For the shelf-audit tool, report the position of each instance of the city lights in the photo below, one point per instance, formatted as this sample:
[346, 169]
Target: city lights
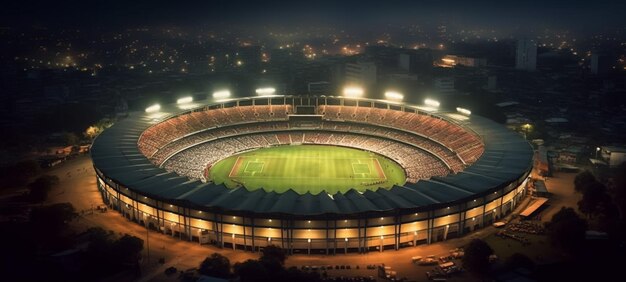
[353, 91]
[431, 102]
[265, 91]
[184, 100]
[221, 94]
[464, 111]
[153, 108]
[393, 95]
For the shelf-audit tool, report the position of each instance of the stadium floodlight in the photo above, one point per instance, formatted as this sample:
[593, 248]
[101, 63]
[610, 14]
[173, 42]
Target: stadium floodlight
[353, 91]
[265, 91]
[184, 100]
[431, 102]
[464, 111]
[153, 108]
[393, 95]
[221, 94]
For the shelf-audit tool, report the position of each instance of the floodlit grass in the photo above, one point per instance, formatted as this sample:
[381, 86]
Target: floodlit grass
[308, 168]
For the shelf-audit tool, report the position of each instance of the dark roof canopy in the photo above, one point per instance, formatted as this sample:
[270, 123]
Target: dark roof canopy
[507, 157]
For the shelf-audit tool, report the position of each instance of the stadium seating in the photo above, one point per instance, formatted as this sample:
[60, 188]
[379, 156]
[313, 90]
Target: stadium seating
[423, 145]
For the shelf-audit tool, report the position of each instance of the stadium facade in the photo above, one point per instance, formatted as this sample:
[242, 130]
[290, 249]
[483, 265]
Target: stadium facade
[478, 176]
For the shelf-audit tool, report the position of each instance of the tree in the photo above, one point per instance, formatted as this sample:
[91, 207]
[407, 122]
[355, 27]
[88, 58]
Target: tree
[582, 180]
[71, 138]
[566, 230]
[476, 258]
[618, 189]
[273, 253]
[518, 260]
[52, 219]
[127, 248]
[94, 130]
[251, 271]
[18, 174]
[41, 186]
[215, 265]
[100, 245]
[594, 194]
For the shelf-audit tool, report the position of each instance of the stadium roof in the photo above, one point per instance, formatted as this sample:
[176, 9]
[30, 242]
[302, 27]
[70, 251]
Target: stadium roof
[506, 158]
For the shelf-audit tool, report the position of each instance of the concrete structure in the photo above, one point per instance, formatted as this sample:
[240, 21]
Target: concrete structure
[454, 60]
[613, 155]
[416, 61]
[526, 55]
[426, 211]
[600, 64]
[444, 85]
[361, 73]
[319, 88]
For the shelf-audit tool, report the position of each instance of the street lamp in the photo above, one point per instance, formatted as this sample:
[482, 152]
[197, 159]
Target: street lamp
[597, 150]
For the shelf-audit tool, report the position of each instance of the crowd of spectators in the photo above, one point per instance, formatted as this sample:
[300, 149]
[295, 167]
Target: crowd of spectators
[417, 163]
[423, 145]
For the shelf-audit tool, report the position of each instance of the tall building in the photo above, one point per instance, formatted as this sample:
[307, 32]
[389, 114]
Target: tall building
[444, 85]
[600, 64]
[361, 73]
[319, 88]
[526, 55]
[492, 82]
[416, 61]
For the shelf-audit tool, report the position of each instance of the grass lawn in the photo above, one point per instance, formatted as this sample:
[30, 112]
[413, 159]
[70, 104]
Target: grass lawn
[308, 168]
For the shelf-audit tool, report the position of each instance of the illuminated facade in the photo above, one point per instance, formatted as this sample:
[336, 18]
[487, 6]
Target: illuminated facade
[423, 212]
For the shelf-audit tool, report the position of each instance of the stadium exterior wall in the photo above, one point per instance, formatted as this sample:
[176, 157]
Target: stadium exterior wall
[330, 233]
[352, 233]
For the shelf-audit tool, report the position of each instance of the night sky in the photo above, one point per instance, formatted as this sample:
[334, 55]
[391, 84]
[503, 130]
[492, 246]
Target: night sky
[582, 15]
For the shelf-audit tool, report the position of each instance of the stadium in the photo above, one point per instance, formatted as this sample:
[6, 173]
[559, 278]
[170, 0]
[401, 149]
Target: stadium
[311, 174]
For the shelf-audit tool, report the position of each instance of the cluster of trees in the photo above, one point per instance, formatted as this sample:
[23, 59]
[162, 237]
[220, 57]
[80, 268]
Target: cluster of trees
[117, 254]
[26, 245]
[18, 174]
[269, 267]
[566, 230]
[44, 248]
[476, 258]
[94, 130]
[39, 189]
[601, 203]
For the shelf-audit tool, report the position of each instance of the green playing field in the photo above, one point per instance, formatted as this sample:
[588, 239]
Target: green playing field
[308, 168]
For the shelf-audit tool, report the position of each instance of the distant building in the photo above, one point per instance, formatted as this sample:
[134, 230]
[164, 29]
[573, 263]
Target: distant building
[384, 56]
[444, 85]
[600, 64]
[526, 55]
[416, 60]
[613, 155]
[492, 82]
[454, 60]
[361, 73]
[319, 88]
